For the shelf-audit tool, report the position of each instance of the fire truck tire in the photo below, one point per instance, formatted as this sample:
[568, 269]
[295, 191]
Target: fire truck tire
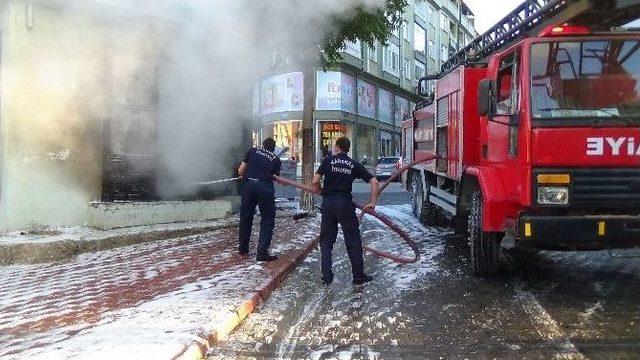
[461, 224]
[417, 203]
[484, 245]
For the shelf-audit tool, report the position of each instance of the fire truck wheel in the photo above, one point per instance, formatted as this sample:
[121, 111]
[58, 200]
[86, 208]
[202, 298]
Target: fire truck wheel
[417, 205]
[461, 224]
[484, 245]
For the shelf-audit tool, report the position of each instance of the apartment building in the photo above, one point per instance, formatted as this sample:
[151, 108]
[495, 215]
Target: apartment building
[367, 95]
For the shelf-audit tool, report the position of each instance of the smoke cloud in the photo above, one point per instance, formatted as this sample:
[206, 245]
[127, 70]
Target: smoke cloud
[213, 64]
[87, 77]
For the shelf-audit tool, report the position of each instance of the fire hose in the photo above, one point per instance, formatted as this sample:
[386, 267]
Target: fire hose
[386, 221]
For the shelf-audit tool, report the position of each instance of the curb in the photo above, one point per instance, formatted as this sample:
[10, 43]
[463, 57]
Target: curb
[46, 252]
[198, 349]
[34, 253]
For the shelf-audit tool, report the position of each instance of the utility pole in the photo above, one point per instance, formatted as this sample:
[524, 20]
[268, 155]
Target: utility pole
[308, 143]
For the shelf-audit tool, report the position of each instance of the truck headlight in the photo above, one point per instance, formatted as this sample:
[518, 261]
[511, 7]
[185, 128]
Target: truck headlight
[553, 195]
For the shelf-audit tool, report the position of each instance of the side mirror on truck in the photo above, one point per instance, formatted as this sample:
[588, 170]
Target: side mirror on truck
[486, 97]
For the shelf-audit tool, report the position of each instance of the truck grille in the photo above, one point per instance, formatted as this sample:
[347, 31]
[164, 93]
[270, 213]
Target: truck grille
[605, 189]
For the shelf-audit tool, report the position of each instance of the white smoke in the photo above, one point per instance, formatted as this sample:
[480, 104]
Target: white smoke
[80, 78]
[221, 51]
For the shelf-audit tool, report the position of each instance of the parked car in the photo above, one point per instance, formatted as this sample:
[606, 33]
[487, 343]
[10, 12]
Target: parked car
[386, 167]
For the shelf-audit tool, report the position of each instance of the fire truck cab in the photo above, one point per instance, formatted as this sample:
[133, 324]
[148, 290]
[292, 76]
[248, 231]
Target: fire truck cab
[539, 146]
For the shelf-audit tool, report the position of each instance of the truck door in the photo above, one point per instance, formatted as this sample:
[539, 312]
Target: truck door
[505, 139]
[503, 131]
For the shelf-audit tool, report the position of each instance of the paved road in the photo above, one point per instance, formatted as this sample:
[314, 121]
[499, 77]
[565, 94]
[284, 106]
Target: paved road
[393, 194]
[541, 306]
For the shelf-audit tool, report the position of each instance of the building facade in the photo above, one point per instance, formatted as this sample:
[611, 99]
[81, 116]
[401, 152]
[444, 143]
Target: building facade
[368, 94]
[79, 111]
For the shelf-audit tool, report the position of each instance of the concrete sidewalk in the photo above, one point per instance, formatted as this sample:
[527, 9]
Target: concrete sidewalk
[156, 300]
[49, 245]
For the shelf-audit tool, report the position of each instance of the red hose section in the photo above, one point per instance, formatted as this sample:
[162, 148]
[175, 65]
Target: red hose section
[395, 228]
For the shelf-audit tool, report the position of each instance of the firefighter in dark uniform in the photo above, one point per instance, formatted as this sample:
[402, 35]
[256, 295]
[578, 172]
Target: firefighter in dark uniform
[257, 171]
[339, 172]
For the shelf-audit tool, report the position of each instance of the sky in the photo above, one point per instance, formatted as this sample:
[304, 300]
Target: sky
[488, 12]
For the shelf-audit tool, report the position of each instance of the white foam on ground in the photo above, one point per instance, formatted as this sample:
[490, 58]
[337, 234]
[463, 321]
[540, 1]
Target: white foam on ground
[546, 326]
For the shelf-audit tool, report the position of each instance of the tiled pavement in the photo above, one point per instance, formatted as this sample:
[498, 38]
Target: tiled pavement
[45, 307]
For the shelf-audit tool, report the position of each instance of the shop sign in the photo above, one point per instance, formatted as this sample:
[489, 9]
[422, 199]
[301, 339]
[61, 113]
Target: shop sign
[402, 109]
[366, 99]
[282, 93]
[385, 106]
[335, 91]
[329, 132]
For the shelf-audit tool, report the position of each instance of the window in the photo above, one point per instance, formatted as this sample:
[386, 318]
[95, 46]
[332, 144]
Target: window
[444, 53]
[419, 38]
[444, 22]
[433, 15]
[507, 85]
[353, 48]
[420, 70]
[508, 88]
[432, 49]
[421, 10]
[391, 59]
[592, 80]
[366, 144]
[407, 31]
[280, 58]
[453, 29]
[407, 69]
[396, 30]
[373, 52]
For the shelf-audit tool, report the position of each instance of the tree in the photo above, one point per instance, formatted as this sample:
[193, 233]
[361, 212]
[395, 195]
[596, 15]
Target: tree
[364, 24]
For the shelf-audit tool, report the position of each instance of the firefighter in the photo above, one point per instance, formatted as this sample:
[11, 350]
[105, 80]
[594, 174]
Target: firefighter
[257, 171]
[339, 172]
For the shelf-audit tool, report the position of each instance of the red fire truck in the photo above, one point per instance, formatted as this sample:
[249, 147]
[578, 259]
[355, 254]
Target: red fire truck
[538, 136]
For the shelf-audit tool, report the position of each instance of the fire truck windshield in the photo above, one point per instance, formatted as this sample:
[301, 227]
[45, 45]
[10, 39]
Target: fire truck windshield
[595, 80]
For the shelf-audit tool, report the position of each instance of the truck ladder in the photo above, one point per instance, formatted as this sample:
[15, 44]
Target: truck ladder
[534, 15]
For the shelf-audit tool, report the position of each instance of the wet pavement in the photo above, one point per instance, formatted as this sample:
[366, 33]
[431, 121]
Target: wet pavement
[393, 194]
[145, 301]
[566, 305]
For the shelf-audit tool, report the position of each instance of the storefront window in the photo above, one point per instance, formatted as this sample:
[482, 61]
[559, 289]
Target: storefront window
[385, 106]
[282, 93]
[287, 134]
[330, 131]
[367, 99]
[402, 109]
[386, 145]
[366, 144]
[335, 91]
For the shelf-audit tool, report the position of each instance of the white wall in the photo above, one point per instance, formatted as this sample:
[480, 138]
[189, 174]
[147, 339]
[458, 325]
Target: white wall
[61, 79]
